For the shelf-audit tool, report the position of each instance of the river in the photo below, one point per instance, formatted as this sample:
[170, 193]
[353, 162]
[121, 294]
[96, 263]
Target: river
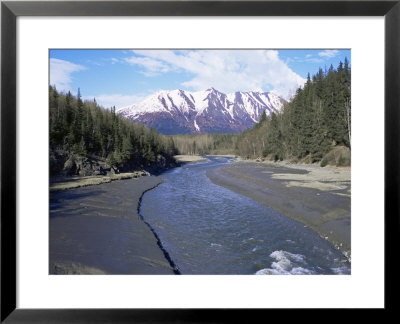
[208, 229]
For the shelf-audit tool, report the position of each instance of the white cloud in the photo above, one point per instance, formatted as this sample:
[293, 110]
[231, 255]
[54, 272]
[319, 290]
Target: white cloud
[94, 63]
[115, 60]
[329, 53]
[225, 70]
[117, 100]
[60, 73]
[152, 67]
[311, 60]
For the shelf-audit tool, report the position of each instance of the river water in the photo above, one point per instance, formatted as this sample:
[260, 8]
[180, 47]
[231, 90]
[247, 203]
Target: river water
[208, 229]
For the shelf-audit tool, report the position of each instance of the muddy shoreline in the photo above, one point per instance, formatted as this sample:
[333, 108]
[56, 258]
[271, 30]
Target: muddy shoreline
[317, 197]
[98, 230]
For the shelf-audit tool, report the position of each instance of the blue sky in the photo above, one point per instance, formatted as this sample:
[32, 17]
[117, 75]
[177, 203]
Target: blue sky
[124, 77]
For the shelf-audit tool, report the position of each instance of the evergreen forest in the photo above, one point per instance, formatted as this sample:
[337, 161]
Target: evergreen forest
[87, 130]
[314, 122]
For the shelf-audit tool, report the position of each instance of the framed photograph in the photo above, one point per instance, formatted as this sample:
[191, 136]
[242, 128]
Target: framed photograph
[236, 112]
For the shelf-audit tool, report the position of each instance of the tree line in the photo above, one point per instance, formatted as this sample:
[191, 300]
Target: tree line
[86, 129]
[317, 119]
[205, 144]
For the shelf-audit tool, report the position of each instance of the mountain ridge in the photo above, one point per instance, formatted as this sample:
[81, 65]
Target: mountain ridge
[210, 111]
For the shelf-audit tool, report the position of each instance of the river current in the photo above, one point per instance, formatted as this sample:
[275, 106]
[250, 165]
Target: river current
[208, 229]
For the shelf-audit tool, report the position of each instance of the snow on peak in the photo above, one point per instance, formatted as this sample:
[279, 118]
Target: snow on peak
[208, 106]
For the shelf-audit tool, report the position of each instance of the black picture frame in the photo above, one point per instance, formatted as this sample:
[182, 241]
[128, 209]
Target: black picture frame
[10, 10]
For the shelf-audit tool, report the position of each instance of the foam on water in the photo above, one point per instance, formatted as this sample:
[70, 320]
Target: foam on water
[286, 264]
[343, 270]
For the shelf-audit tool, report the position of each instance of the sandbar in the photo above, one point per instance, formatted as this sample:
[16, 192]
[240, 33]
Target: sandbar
[190, 158]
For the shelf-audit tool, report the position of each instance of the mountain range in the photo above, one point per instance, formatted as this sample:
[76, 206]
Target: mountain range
[209, 111]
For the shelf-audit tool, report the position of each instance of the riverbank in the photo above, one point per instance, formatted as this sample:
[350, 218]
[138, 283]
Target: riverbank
[336, 180]
[65, 183]
[98, 230]
[317, 197]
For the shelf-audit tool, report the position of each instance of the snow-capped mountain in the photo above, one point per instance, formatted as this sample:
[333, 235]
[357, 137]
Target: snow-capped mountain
[210, 111]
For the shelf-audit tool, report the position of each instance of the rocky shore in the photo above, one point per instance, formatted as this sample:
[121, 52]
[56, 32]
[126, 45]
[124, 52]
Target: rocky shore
[69, 170]
[67, 164]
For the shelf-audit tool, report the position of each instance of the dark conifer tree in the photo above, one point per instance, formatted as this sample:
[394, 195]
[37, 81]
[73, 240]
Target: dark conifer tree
[86, 129]
[317, 118]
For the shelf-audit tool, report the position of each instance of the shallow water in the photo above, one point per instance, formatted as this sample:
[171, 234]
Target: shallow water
[208, 229]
